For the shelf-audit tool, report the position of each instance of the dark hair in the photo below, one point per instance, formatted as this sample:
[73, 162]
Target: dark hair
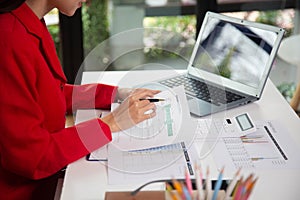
[9, 5]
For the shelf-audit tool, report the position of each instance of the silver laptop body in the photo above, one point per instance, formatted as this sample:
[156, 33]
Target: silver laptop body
[233, 58]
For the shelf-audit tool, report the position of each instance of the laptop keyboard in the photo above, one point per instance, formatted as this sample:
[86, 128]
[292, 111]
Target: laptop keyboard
[201, 90]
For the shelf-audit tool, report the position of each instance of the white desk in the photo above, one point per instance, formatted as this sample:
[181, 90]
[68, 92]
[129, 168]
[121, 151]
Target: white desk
[88, 180]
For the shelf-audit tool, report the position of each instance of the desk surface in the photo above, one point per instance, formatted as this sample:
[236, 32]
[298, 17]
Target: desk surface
[88, 180]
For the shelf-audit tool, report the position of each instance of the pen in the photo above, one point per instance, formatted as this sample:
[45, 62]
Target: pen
[152, 100]
[188, 182]
[169, 191]
[186, 193]
[250, 189]
[238, 189]
[242, 192]
[178, 188]
[198, 174]
[248, 181]
[218, 185]
[232, 184]
[208, 185]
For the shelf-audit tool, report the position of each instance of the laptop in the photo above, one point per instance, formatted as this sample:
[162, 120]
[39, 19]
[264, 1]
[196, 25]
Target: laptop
[230, 64]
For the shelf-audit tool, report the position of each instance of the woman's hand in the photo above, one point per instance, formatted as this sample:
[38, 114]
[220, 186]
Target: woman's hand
[123, 93]
[132, 110]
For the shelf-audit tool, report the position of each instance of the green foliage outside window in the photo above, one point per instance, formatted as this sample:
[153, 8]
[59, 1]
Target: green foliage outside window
[95, 23]
[273, 17]
[287, 90]
[180, 36]
[268, 17]
[54, 31]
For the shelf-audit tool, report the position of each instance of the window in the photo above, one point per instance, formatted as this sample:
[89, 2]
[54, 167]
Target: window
[52, 23]
[125, 30]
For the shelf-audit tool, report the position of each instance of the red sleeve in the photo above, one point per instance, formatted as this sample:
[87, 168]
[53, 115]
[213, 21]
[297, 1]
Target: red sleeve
[89, 96]
[33, 140]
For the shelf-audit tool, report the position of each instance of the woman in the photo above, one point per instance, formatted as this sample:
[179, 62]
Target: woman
[34, 143]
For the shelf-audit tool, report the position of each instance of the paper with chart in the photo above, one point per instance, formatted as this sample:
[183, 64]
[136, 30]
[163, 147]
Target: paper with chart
[170, 125]
[140, 166]
[209, 131]
[269, 147]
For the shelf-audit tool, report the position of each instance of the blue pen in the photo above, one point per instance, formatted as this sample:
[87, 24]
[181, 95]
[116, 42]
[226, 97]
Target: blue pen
[218, 185]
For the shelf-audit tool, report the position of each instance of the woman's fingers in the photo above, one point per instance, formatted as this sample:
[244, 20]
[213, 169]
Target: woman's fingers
[141, 110]
[123, 93]
[132, 111]
[143, 93]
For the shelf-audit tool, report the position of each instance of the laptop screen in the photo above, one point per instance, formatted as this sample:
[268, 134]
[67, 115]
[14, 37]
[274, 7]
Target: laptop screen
[235, 50]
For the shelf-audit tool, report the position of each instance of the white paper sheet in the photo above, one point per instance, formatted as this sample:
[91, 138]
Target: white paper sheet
[140, 166]
[170, 125]
[270, 147]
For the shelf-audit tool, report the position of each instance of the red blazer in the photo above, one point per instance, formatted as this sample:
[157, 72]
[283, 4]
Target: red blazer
[34, 142]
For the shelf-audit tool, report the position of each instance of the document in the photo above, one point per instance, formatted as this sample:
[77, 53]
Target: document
[140, 166]
[158, 148]
[98, 155]
[171, 124]
[269, 147]
[210, 131]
